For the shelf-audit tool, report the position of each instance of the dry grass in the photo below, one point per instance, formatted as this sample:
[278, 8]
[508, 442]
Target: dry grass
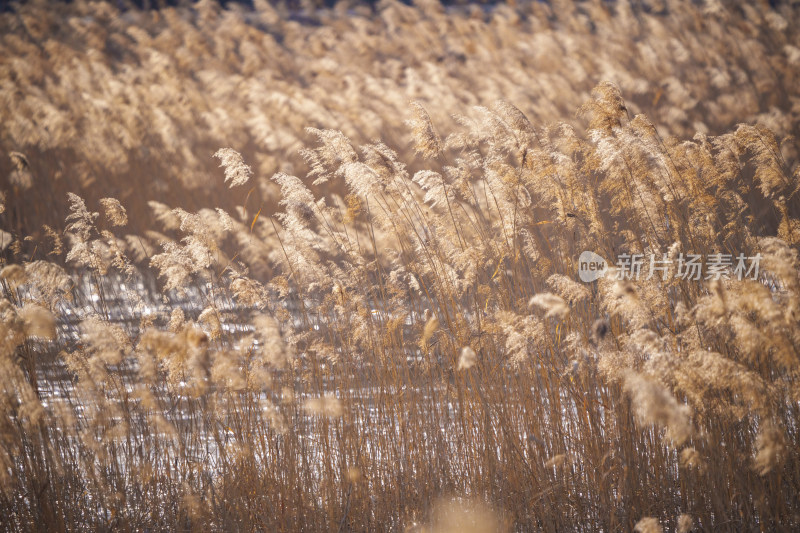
[399, 340]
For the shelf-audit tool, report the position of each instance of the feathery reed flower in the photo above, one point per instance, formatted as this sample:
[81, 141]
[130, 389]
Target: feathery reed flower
[115, 213]
[236, 171]
[467, 359]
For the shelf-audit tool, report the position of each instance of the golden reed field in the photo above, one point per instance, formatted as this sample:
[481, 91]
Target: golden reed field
[528, 266]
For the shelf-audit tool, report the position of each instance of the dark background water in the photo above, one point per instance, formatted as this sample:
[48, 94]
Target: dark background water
[293, 5]
[302, 5]
[299, 5]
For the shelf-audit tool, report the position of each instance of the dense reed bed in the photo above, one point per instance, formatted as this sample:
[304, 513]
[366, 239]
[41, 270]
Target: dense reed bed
[195, 338]
[130, 104]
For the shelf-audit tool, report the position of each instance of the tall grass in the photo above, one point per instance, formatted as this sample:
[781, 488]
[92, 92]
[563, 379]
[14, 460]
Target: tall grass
[399, 340]
[130, 104]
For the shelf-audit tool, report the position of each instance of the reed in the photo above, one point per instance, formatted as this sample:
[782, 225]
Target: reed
[334, 332]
